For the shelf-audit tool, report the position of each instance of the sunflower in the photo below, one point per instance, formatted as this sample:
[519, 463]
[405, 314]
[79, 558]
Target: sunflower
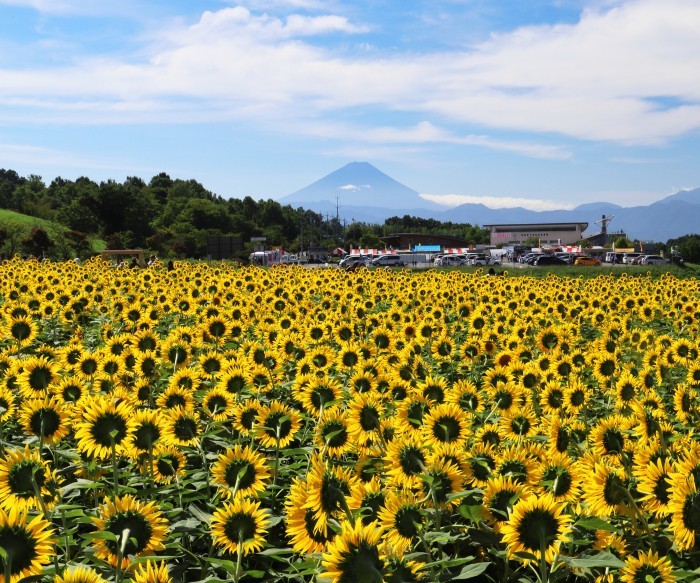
[105, 423]
[139, 529]
[70, 390]
[181, 427]
[656, 487]
[401, 520]
[333, 435]
[445, 423]
[168, 464]
[79, 575]
[276, 425]
[500, 494]
[328, 488]
[21, 331]
[22, 474]
[647, 566]
[576, 396]
[240, 471]
[147, 430]
[233, 379]
[684, 506]
[605, 369]
[560, 476]
[609, 437]
[518, 462]
[46, 418]
[518, 424]
[152, 572]
[28, 544]
[607, 491]
[553, 398]
[439, 481]
[319, 394]
[304, 535]
[7, 404]
[465, 394]
[406, 459]
[685, 401]
[367, 498]
[354, 555]
[218, 404]
[240, 523]
[245, 416]
[37, 377]
[536, 524]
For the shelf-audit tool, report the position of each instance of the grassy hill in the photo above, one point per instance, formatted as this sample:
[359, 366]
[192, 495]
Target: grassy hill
[18, 225]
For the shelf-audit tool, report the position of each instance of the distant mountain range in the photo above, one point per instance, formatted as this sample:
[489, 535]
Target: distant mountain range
[361, 192]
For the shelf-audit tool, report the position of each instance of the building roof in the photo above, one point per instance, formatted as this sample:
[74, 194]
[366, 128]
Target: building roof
[539, 225]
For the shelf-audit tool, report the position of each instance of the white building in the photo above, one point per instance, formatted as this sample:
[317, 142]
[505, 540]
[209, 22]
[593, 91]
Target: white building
[543, 233]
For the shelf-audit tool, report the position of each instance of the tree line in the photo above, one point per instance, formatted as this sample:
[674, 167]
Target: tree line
[175, 218]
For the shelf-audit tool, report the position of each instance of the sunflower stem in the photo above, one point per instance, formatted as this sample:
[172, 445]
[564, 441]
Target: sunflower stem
[115, 476]
[120, 553]
[44, 510]
[239, 559]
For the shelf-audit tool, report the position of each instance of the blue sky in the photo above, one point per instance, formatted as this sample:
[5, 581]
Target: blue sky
[536, 103]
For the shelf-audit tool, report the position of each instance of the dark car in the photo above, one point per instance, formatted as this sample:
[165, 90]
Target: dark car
[549, 260]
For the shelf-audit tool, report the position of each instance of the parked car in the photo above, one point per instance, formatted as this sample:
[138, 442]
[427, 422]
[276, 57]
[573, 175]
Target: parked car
[387, 261]
[549, 261]
[654, 260]
[351, 260]
[484, 260]
[586, 260]
[528, 257]
[452, 260]
[627, 257]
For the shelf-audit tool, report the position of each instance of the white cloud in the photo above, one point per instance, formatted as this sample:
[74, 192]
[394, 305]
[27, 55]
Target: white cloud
[592, 80]
[496, 202]
[25, 154]
[354, 187]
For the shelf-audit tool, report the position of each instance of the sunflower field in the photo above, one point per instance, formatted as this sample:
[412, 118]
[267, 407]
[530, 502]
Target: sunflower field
[218, 423]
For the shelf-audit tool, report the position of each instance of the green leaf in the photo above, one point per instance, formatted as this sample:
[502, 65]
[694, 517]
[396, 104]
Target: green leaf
[595, 523]
[598, 560]
[471, 571]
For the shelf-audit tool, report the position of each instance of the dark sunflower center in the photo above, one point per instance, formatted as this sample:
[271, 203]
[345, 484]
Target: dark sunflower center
[216, 404]
[550, 340]
[469, 402]
[139, 532]
[407, 521]
[662, 490]
[481, 467]
[333, 492]
[555, 398]
[211, 365]
[444, 349]
[434, 393]
[371, 504]
[627, 392]
[520, 425]
[614, 490]
[146, 435]
[607, 368]
[501, 503]
[321, 396]
[516, 469]
[613, 441]
[691, 512]
[177, 354]
[167, 465]
[19, 546]
[503, 399]
[577, 398]
[40, 378]
[350, 359]
[185, 428]
[241, 471]
[361, 565]
[537, 528]
[412, 461]
[104, 425]
[20, 478]
[217, 328]
[560, 479]
[646, 573]
[276, 426]
[88, 366]
[235, 384]
[335, 434]
[248, 418]
[20, 330]
[446, 429]
[369, 418]
[415, 413]
[45, 421]
[440, 485]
